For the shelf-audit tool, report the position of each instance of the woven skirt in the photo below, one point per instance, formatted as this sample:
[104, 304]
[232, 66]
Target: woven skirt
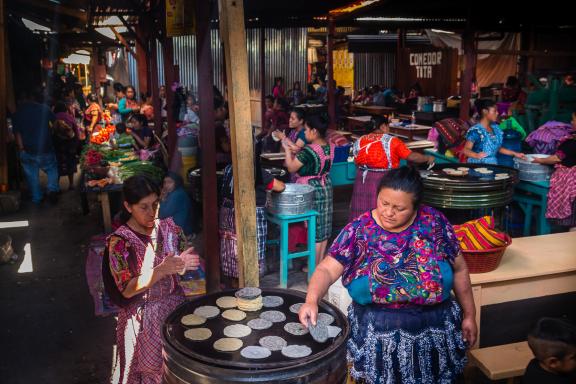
[323, 204]
[365, 191]
[229, 243]
[414, 345]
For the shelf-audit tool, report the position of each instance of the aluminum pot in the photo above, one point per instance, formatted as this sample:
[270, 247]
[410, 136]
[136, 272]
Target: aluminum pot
[294, 200]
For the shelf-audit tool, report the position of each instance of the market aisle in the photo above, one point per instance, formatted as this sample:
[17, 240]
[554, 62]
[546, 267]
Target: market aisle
[48, 331]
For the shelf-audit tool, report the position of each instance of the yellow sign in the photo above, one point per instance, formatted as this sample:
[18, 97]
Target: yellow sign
[343, 68]
[180, 18]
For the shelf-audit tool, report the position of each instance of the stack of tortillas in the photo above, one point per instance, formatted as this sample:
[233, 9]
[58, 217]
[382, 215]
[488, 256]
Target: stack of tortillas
[249, 299]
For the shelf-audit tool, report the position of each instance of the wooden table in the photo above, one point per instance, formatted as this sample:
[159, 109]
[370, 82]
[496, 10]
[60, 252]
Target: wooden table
[358, 123]
[532, 267]
[529, 195]
[374, 110]
[409, 131]
[104, 198]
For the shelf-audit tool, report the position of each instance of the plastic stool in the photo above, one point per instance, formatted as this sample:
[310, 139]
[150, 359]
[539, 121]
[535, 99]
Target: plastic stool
[286, 257]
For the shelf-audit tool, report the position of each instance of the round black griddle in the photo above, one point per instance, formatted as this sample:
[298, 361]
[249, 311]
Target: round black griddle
[203, 351]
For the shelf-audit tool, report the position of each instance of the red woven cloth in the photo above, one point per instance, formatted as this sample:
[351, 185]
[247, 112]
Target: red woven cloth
[562, 193]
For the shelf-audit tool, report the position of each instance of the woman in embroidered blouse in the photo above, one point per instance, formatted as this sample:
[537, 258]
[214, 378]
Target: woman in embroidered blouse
[141, 276]
[484, 140]
[313, 165]
[399, 263]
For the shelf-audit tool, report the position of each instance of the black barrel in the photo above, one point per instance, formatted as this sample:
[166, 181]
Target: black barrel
[187, 362]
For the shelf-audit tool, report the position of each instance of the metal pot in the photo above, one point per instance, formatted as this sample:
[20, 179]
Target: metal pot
[438, 106]
[295, 200]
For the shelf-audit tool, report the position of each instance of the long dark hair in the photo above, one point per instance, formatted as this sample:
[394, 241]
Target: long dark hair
[318, 123]
[135, 189]
[405, 179]
[482, 104]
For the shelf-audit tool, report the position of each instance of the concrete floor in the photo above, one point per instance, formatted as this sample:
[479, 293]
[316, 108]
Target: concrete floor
[48, 330]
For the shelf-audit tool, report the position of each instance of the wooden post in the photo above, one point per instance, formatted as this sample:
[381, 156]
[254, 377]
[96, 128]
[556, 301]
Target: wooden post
[330, 64]
[207, 143]
[143, 59]
[3, 99]
[234, 41]
[400, 45]
[469, 48]
[262, 76]
[155, 86]
[170, 77]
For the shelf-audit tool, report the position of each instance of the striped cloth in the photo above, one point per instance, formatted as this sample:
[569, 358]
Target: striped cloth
[479, 234]
[228, 239]
[323, 205]
[562, 194]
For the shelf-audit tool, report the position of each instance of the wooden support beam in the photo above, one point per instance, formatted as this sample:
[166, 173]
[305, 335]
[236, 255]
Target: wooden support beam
[330, 64]
[143, 63]
[3, 98]
[468, 74]
[207, 141]
[57, 8]
[400, 45]
[262, 76]
[155, 86]
[233, 35]
[124, 42]
[527, 53]
[169, 75]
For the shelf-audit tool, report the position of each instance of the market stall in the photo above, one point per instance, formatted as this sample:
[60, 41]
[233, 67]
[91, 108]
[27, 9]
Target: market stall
[106, 161]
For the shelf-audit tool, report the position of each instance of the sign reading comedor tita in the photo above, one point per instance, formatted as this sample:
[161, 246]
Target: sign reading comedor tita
[436, 70]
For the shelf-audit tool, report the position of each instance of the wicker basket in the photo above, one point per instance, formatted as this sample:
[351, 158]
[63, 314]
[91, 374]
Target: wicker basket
[487, 260]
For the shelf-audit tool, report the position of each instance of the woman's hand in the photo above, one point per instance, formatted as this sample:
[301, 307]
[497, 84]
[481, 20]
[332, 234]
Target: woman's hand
[171, 265]
[519, 155]
[279, 134]
[481, 155]
[191, 259]
[308, 313]
[469, 331]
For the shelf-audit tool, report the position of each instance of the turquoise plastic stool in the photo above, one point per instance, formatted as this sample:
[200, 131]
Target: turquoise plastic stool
[286, 257]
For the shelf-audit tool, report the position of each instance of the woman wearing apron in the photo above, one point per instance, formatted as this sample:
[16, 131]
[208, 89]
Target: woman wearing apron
[375, 154]
[313, 165]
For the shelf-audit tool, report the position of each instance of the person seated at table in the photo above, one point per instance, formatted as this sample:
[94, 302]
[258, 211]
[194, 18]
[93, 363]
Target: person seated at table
[553, 342]
[375, 154]
[400, 263]
[296, 139]
[140, 131]
[278, 90]
[321, 91]
[361, 96]
[561, 208]
[511, 90]
[263, 182]
[223, 144]
[175, 202]
[268, 117]
[390, 95]
[484, 140]
[409, 104]
[280, 117]
[296, 95]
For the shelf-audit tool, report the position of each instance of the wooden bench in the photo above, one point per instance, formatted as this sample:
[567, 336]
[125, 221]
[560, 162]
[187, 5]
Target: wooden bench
[502, 361]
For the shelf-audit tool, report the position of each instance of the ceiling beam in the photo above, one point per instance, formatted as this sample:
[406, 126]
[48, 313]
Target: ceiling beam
[57, 8]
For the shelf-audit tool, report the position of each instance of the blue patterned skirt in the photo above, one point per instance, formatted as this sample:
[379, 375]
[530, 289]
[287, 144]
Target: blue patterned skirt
[412, 345]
